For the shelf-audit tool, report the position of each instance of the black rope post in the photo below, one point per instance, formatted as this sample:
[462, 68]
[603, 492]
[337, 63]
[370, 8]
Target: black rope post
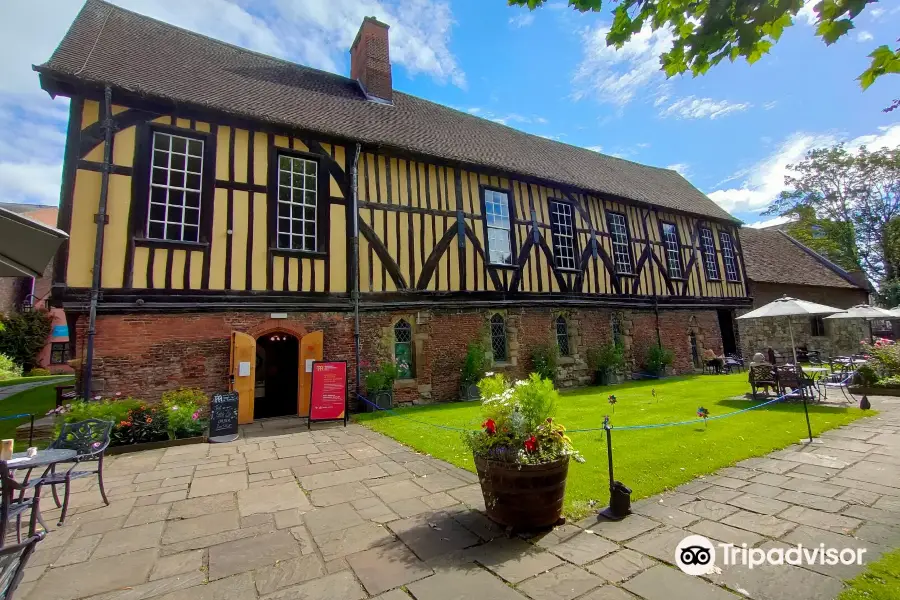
[31, 432]
[619, 495]
[806, 411]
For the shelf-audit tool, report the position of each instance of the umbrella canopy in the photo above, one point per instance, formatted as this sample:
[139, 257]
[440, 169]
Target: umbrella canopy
[789, 307]
[26, 246]
[864, 311]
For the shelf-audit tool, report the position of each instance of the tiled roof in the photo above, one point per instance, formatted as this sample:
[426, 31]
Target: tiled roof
[131, 52]
[771, 256]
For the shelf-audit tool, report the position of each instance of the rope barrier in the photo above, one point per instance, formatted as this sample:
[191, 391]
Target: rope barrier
[19, 416]
[619, 428]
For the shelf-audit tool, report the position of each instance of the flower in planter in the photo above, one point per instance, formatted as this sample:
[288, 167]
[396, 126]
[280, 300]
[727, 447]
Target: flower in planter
[490, 426]
[612, 402]
[531, 444]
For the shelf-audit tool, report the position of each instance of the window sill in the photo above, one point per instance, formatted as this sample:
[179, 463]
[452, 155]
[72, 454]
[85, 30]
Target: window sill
[565, 270]
[566, 360]
[405, 384]
[299, 253]
[733, 280]
[501, 365]
[502, 266]
[170, 244]
[626, 275]
[714, 279]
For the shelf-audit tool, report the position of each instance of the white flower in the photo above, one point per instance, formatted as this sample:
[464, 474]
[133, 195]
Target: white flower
[97, 397]
[521, 382]
[174, 408]
[489, 374]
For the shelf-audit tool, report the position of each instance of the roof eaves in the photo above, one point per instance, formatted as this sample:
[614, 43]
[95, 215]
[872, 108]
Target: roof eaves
[827, 263]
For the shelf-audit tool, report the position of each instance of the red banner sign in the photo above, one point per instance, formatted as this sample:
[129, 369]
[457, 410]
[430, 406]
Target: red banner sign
[329, 391]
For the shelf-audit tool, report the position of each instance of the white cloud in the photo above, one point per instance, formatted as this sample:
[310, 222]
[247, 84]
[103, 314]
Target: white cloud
[864, 36]
[594, 148]
[683, 169]
[615, 76]
[769, 222]
[770, 105]
[692, 107]
[762, 182]
[522, 20]
[807, 14]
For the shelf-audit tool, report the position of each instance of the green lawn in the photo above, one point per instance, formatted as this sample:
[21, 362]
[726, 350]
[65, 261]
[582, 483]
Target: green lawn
[881, 581]
[649, 461]
[50, 378]
[35, 401]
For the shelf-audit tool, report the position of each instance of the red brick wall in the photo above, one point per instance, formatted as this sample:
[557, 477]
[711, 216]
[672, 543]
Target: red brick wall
[145, 355]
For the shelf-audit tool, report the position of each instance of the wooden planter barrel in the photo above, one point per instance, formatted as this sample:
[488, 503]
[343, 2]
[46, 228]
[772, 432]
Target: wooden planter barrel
[523, 497]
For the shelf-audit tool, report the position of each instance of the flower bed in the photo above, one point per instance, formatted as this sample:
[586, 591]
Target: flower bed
[179, 416]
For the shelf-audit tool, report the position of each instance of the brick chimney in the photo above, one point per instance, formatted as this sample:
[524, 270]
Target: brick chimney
[370, 60]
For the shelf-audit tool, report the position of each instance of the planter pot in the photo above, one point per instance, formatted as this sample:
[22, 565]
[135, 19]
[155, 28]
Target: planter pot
[602, 377]
[523, 497]
[384, 400]
[469, 391]
[155, 445]
[874, 391]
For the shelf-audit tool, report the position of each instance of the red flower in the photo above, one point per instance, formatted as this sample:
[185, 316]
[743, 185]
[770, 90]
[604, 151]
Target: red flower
[531, 444]
[490, 426]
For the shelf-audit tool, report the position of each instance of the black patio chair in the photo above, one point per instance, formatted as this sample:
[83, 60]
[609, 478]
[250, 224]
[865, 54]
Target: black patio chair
[89, 438]
[763, 376]
[13, 560]
[794, 379]
[14, 503]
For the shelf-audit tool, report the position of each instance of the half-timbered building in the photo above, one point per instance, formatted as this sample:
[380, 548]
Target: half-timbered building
[223, 204]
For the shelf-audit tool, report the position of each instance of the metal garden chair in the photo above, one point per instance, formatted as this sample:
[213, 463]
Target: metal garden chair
[13, 560]
[89, 438]
[839, 380]
[14, 503]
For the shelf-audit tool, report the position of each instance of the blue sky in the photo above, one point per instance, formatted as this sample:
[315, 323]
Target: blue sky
[732, 132]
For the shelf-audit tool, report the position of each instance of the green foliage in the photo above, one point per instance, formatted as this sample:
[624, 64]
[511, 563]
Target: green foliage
[518, 422]
[884, 358]
[382, 377]
[475, 364]
[545, 358]
[24, 335]
[880, 580]
[860, 189]
[889, 382]
[608, 357]
[867, 375]
[657, 359]
[184, 410]
[105, 410]
[141, 424]
[706, 32]
[835, 240]
[38, 372]
[8, 368]
[888, 294]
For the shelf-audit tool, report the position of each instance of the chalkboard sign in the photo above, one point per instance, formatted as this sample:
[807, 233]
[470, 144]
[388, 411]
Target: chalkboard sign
[223, 417]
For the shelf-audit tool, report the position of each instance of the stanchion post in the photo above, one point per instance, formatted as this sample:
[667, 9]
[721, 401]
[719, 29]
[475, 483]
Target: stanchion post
[31, 432]
[608, 430]
[619, 495]
[806, 411]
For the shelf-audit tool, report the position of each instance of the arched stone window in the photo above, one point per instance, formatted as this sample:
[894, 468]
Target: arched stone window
[403, 349]
[616, 327]
[498, 339]
[562, 336]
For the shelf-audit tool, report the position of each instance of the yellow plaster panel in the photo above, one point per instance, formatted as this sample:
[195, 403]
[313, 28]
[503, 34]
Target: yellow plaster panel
[340, 156]
[223, 152]
[183, 123]
[178, 261]
[260, 158]
[306, 275]
[282, 141]
[90, 113]
[139, 268]
[123, 148]
[116, 109]
[260, 243]
[83, 230]
[196, 281]
[298, 145]
[96, 154]
[201, 126]
[293, 278]
[163, 120]
[219, 241]
[241, 145]
[337, 277]
[365, 282]
[240, 227]
[160, 256]
[278, 273]
[115, 235]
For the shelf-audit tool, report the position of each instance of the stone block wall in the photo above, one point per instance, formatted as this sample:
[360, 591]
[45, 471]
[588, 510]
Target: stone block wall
[145, 355]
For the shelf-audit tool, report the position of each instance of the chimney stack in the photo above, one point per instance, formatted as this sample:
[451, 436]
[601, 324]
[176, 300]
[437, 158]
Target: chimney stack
[370, 60]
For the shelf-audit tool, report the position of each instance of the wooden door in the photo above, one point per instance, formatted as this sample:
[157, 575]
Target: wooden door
[310, 350]
[243, 350]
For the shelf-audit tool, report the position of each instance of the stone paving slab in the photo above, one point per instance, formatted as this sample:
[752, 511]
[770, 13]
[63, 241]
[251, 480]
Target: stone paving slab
[284, 513]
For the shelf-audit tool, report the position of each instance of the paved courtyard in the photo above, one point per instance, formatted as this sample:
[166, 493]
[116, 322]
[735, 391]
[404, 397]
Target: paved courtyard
[347, 514]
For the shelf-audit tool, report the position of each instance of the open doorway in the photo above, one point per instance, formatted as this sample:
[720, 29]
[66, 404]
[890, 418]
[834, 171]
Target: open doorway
[726, 325]
[277, 357]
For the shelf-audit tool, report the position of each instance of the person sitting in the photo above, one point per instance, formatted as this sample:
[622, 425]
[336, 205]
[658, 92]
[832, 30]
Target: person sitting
[713, 361]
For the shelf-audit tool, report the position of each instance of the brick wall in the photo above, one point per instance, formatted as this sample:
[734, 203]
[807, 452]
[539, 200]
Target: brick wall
[145, 355]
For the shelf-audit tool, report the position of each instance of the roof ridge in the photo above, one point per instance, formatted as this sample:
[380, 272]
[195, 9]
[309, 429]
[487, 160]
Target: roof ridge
[838, 270]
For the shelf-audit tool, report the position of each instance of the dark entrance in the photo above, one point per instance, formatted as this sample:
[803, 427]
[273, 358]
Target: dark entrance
[726, 326]
[277, 357]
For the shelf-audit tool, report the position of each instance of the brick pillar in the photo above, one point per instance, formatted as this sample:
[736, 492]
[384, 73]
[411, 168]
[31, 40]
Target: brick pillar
[370, 59]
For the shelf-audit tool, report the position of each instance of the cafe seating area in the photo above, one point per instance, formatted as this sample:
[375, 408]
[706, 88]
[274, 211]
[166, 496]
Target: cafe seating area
[811, 379]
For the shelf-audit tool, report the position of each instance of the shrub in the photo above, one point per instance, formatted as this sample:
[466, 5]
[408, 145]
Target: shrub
[519, 426]
[38, 372]
[867, 375]
[184, 409]
[657, 359]
[24, 335]
[105, 410]
[475, 364]
[884, 357]
[381, 379]
[8, 368]
[141, 424]
[545, 358]
[889, 382]
[608, 357]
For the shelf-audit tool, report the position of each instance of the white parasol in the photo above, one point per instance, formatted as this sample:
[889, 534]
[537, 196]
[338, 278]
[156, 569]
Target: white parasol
[790, 307]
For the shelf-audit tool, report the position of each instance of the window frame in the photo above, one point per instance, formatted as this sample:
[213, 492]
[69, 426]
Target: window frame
[707, 257]
[513, 245]
[556, 235]
[66, 350]
[505, 358]
[323, 203]
[609, 225]
[727, 241]
[561, 320]
[412, 348]
[668, 250]
[817, 324]
[141, 178]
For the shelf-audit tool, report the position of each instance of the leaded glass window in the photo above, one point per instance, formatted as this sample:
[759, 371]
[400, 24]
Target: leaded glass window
[563, 235]
[297, 190]
[496, 210]
[618, 231]
[731, 272]
[616, 328]
[498, 338]
[709, 253]
[403, 354]
[562, 335]
[175, 185]
[673, 250]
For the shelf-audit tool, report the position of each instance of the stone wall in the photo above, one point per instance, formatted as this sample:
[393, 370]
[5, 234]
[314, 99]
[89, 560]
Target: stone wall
[841, 336]
[145, 355]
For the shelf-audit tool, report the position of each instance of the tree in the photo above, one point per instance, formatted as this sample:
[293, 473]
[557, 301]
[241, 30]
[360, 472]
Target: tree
[707, 31]
[835, 240]
[860, 190]
[24, 335]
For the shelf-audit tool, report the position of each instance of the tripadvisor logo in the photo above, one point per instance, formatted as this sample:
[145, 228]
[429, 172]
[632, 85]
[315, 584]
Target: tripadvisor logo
[696, 555]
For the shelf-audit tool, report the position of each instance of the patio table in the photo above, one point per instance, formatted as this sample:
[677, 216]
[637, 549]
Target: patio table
[43, 458]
